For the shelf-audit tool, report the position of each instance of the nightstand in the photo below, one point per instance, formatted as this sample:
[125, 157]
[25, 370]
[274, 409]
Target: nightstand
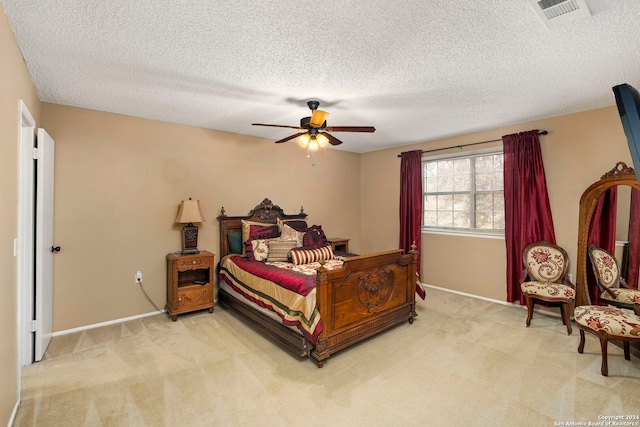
[339, 244]
[189, 283]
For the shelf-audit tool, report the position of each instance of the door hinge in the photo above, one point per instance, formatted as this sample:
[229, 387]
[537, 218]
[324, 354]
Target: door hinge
[36, 153]
[34, 325]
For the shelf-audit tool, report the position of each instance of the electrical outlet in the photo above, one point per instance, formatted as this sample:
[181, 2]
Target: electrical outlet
[138, 276]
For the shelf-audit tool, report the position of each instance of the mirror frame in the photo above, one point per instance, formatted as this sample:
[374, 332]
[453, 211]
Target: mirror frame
[621, 174]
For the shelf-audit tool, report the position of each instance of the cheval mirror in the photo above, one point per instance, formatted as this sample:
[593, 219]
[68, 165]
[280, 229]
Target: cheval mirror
[621, 174]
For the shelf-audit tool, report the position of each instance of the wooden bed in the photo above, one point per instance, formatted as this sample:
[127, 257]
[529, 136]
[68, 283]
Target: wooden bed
[370, 294]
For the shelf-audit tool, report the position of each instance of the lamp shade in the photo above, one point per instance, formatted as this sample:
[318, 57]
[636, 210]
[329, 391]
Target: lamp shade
[322, 140]
[317, 118]
[304, 139]
[189, 212]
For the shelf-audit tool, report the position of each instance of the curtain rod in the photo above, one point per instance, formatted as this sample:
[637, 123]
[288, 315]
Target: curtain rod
[543, 132]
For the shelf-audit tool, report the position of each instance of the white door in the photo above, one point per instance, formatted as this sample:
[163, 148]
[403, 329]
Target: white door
[44, 244]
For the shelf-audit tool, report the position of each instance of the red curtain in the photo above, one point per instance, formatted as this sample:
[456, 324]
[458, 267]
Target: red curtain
[527, 211]
[411, 204]
[634, 239]
[602, 234]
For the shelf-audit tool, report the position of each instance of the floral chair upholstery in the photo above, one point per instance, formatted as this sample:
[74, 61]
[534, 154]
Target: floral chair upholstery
[607, 323]
[545, 278]
[614, 290]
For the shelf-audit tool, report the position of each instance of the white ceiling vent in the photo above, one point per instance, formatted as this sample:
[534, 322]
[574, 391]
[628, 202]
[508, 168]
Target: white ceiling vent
[559, 12]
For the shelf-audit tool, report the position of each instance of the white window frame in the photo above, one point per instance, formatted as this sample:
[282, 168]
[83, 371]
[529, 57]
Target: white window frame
[470, 232]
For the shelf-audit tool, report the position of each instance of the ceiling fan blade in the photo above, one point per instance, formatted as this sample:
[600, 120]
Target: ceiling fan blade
[318, 117]
[276, 126]
[368, 129]
[332, 139]
[290, 137]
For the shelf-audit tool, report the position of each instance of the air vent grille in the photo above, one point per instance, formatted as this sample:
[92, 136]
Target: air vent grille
[546, 4]
[561, 9]
[559, 12]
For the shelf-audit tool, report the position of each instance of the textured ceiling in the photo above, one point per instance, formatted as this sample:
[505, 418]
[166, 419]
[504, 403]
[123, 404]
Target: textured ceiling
[417, 70]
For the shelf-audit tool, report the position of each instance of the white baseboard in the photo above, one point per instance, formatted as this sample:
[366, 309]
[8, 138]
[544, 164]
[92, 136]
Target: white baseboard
[510, 304]
[12, 418]
[469, 295]
[110, 322]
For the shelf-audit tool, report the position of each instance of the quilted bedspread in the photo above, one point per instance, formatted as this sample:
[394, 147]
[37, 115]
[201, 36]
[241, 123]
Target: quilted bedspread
[286, 289]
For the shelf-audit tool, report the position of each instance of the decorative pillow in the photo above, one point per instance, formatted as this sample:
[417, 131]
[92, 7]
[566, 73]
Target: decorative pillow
[245, 231]
[306, 256]
[259, 232]
[314, 238]
[246, 228]
[288, 234]
[296, 224]
[262, 232]
[235, 242]
[259, 250]
[279, 250]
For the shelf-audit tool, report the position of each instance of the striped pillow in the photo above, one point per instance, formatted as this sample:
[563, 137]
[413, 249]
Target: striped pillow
[306, 256]
[279, 250]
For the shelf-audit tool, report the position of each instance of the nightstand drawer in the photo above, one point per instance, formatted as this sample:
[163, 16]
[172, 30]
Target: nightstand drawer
[193, 263]
[193, 297]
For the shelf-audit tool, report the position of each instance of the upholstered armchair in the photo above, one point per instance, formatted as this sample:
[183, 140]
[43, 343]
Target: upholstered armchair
[545, 278]
[608, 323]
[613, 289]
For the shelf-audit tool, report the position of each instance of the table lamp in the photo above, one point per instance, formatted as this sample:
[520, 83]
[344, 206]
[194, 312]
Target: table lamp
[188, 214]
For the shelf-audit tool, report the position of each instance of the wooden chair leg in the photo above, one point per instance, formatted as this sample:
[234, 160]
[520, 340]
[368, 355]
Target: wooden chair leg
[581, 345]
[529, 309]
[604, 339]
[564, 310]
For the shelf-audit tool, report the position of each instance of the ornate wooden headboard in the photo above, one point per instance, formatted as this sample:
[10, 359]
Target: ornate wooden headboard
[265, 212]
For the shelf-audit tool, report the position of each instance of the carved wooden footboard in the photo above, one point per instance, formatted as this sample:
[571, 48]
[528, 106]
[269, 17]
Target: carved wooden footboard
[370, 294]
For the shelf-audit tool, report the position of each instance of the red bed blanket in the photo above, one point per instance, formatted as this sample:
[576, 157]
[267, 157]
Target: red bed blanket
[294, 281]
[290, 294]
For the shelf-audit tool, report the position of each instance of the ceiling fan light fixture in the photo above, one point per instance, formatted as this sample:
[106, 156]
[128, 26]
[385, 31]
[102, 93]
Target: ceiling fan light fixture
[313, 144]
[304, 139]
[322, 140]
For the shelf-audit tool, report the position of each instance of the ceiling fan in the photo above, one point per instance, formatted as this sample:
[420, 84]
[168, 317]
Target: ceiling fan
[315, 128]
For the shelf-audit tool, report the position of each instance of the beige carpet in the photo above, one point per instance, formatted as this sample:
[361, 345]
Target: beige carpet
[463, 362]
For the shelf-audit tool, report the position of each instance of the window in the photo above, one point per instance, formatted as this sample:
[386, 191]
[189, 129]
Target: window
[464, 193]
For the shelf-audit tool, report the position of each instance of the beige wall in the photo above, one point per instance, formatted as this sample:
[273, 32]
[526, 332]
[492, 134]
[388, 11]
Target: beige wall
[15, 84]
[577, 151]
[119, 181]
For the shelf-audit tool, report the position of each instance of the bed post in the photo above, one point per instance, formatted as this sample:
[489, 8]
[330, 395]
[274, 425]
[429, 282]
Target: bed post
[323, 298]
[413, 279]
